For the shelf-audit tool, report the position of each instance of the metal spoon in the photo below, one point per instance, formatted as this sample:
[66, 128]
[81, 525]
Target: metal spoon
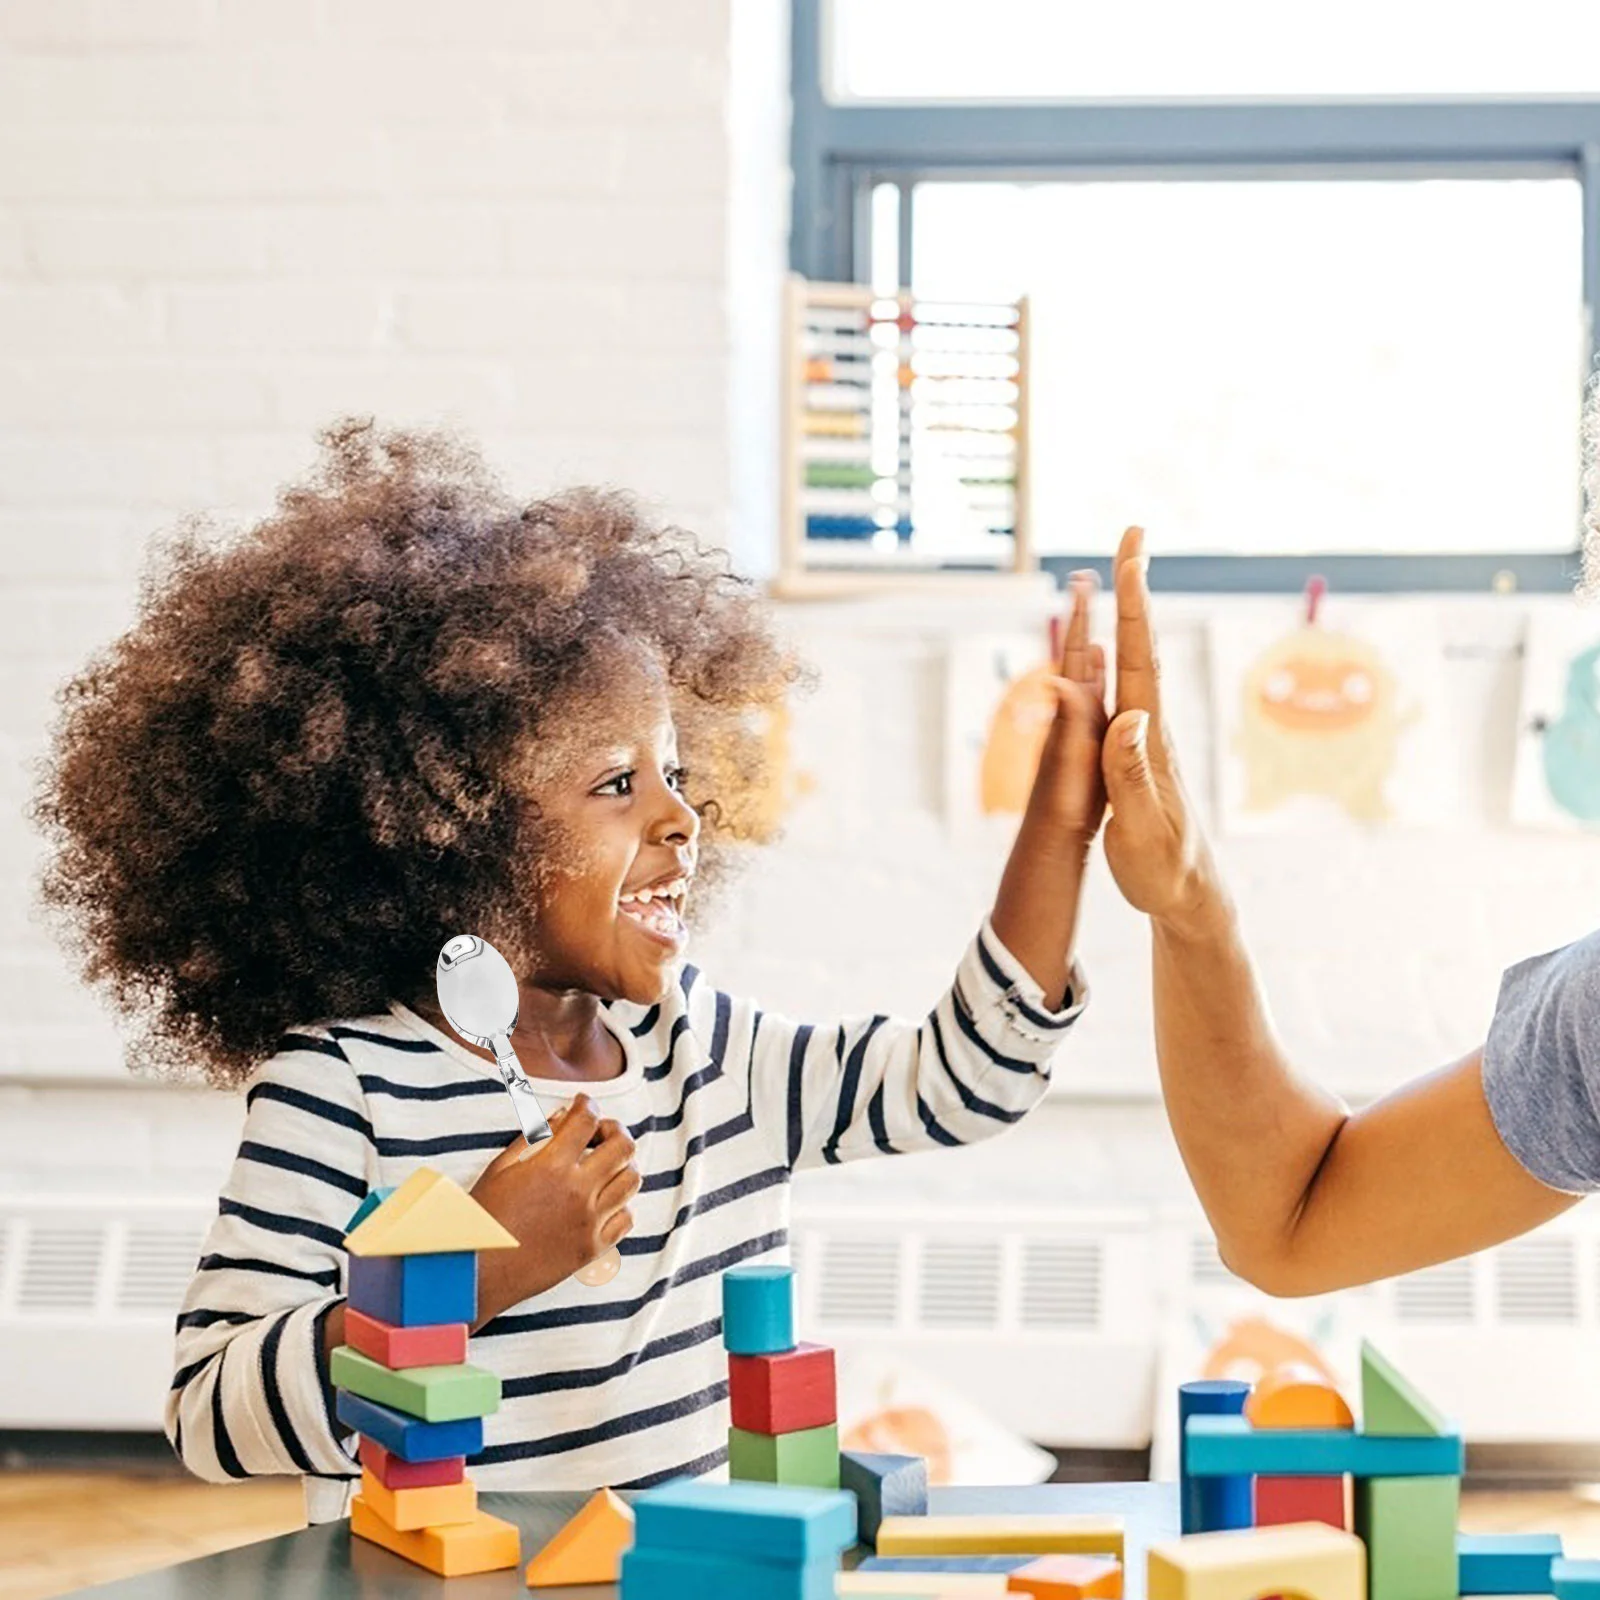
[479, 997]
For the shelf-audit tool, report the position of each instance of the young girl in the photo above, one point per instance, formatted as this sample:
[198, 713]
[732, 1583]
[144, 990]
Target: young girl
[1304, 1196]
[405, 707]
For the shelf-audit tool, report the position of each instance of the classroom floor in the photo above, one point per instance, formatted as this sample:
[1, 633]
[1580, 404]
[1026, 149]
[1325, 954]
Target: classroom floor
[61, 1531]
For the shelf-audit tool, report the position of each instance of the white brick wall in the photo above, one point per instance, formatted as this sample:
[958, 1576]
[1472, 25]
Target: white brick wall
[223, 221]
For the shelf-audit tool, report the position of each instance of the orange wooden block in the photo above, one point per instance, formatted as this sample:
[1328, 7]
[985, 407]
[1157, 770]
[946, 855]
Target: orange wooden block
[1068, 1578]
[1297, 1396]
[589, 1548]
[408, 1509]
[450, 1550]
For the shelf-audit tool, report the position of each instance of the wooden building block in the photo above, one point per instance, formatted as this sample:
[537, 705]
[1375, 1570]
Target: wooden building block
[394, 1473]
[1208, 1504]
[450, 1550]
[768, 1522]
[922, 1585]
[428, 1214]
[1067, 1534]
[1389, 1403]
[1219, 1446]
[408, 1437]
[1284, 1500]
[1305, 1559]
[913, 1567]
[1409, 1526]
[375, 1198]
[785, 1392]
[1506, 1563]
[440, 1344]
[1069, 1578]
[649, 1573]
[589, 1548]
[758, 1310]
[1575, 1580]
[411, 1291]
[809, 1458]
[1297, 1396]
[436, 1394]
[884, 1486]
[409, 1509]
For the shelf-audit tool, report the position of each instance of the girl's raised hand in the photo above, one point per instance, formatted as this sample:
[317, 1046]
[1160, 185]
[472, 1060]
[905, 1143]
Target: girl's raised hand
[1068, 789]
[1154, 846]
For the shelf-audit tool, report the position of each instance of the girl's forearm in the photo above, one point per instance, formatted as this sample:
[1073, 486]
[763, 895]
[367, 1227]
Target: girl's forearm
[1036, 907]
[1253, 1134]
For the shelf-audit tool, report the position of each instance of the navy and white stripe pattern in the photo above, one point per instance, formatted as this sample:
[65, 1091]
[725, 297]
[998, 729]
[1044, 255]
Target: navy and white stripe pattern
[624, 1385]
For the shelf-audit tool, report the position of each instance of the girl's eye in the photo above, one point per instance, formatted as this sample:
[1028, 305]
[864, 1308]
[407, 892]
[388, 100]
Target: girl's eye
[676, 778]
[622, 784]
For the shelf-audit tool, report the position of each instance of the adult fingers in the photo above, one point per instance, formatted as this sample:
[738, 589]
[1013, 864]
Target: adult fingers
[1130, 779]
[1138, 681]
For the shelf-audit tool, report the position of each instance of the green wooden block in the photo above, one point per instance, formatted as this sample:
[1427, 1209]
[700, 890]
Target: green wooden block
[1409, 1528]
[1389, 1403]
[436, 1394]
[808, 1457]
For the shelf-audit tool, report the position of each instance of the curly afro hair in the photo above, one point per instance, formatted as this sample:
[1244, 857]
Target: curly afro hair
[273, 799]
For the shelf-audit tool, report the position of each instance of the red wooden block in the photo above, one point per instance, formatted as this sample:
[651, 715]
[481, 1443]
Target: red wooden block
[1280, 1500]
[783, 1393]
[435, 1344]
[393, 1473]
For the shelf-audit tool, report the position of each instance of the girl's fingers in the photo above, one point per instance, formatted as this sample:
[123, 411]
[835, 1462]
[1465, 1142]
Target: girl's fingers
[1075, 655]
[619, 1191]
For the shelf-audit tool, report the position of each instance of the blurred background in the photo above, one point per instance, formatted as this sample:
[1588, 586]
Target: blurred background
[913, 306]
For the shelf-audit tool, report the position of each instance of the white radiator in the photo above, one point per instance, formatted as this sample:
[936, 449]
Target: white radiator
[1051, 1319]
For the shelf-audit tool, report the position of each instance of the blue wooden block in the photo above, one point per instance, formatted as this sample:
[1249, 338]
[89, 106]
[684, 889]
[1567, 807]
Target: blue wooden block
[772, 1522]
[1220, 1446]
[1575, 1580]
[409, 1437]
[946, 1563]
[758, 1310]
[1211, 1505]
[884, 1486]
[366, 1208]
[415, 1291]
[651, 1574]
[1506, 1563]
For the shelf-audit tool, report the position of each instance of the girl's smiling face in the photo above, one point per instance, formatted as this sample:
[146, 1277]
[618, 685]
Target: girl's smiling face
[622, 843]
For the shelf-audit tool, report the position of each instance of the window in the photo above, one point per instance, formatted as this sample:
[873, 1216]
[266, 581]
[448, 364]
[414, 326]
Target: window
[1290, 332]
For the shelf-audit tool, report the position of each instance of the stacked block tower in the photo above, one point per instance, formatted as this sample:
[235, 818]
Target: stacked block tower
[737, 1541]
[783, 1396]
[404, 1383]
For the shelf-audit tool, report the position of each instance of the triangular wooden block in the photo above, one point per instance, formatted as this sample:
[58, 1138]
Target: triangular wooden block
[1390, 1405]
[428, 1214]
[589, 1549]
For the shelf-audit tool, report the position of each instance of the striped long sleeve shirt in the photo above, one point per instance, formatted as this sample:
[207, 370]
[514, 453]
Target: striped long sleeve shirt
[625, 1385]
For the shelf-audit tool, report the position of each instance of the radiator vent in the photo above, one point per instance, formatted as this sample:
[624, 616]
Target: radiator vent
[1062, 1283]
[1536, 1281]
[61, 1267]
[157, 1264]
[860, 1282]
[1445, 1294]
[960, 1284]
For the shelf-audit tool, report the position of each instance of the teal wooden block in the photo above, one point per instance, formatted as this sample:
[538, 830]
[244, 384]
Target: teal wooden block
[366, 1208]
[764, 1521]
[1409, 1528]
[651, 1574]
[1506, 1563]
[1221, 1447]
[758, 1310]
[1575, 1580]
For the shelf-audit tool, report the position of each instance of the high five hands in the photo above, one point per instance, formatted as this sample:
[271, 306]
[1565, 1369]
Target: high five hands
[1122, 757]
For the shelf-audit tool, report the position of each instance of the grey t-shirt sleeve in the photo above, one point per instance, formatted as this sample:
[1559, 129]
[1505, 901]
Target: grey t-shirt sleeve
[1541, 1066]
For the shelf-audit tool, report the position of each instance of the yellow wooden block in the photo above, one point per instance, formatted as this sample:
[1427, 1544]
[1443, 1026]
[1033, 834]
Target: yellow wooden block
[408, 1509]
[589, 1548]
[428, 1214]
[1307, 1559]
[924, 1585]
[1076, 1534]
[451, 1550]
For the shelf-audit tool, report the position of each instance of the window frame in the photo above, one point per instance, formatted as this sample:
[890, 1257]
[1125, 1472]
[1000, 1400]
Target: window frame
[841, 151]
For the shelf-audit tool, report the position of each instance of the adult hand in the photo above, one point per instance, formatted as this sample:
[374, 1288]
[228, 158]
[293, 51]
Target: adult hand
[1154, 846]
[566, 1202]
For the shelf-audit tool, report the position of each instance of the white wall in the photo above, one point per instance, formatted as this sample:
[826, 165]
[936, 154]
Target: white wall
[224, 221]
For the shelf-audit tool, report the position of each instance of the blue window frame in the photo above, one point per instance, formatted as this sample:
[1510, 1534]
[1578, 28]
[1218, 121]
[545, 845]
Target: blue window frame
[842, 152]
